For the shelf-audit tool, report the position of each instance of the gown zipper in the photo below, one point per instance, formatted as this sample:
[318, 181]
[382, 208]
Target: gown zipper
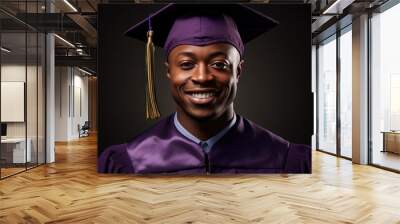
[207, 163]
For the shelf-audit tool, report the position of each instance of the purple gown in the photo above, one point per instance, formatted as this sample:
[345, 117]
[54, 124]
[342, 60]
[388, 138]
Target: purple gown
[245, 148]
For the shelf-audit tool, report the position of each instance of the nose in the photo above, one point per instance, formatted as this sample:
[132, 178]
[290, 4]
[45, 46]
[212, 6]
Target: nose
[202, 74]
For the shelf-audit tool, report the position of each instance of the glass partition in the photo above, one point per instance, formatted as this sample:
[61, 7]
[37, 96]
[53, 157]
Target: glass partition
[327, 95]
[33, 65]
[22, 89]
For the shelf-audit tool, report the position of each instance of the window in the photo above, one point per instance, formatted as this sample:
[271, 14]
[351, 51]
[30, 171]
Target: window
[385, 88]
[327, 95]
[346, 92]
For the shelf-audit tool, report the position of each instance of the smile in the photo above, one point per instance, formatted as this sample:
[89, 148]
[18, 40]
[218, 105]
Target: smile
[204, 96]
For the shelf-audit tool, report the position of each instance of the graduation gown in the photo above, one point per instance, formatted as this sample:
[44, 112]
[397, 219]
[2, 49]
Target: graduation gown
[245, 148]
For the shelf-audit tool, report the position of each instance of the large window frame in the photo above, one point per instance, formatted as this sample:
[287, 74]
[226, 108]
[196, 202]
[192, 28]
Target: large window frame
[381, 9]
[337, 38]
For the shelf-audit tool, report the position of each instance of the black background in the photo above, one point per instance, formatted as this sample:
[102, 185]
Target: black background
[274, 90]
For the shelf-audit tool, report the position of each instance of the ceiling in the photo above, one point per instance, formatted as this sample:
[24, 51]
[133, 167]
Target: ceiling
[76, 20]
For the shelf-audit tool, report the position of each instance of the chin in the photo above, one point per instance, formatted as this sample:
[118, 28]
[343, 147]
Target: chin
[202, 115]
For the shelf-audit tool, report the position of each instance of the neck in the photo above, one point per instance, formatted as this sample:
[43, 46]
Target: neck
[205, 129]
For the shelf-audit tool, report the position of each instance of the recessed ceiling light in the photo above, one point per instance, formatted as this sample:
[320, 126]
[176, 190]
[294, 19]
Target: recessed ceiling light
[70, 5]
[84, 71]
[5, 50]
[338, 6]
[64, 40]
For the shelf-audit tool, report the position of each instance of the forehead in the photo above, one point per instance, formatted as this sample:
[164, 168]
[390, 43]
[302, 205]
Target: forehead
[217, 49]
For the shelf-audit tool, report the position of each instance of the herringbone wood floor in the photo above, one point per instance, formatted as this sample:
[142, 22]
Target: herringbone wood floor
[70, 191]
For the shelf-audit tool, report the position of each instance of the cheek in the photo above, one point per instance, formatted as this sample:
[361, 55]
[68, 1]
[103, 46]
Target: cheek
[229, 83]
[176, 78]
[231, 89]
[177, 83]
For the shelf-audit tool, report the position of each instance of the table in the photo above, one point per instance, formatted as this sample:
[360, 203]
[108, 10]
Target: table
[391, 141]
[13, 150]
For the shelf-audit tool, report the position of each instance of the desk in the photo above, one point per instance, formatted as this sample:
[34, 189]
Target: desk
[391, 141]
[13, 150]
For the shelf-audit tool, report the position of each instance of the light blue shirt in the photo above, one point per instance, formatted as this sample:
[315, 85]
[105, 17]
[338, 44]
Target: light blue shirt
[209, 143]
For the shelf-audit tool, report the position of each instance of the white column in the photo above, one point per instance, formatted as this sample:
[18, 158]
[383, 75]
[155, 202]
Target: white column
[50, 99]
[50, 92]
[360, 90]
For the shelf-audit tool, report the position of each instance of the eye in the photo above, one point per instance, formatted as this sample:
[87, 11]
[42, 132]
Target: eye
[186, 65]
[220, 65]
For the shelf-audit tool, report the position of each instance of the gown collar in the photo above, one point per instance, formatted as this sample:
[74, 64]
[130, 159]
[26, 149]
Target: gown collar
[209, 143]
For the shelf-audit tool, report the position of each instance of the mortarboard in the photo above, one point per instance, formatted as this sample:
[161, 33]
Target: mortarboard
[196, 24]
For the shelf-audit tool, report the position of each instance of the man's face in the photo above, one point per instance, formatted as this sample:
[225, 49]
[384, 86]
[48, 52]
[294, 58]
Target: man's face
[204, 78]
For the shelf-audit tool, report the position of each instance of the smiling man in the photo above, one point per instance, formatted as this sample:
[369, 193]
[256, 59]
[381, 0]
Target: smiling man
[204, 84]
[204, 47]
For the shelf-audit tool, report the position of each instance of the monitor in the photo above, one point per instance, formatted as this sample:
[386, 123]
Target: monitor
[3, 129]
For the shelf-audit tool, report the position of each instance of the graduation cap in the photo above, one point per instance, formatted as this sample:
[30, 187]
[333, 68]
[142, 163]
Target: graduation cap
[199, 25]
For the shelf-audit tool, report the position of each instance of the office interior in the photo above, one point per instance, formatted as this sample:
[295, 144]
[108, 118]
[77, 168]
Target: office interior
[357, 83]
[46, 82]
[49, 85]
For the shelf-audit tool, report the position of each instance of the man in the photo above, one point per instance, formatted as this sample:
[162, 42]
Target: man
[204, 47]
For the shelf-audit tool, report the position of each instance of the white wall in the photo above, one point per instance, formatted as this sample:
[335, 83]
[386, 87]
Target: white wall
[71, 102]
[62, 81]
[80, 110]
[14, 73]
[12, 101]
[17, 73]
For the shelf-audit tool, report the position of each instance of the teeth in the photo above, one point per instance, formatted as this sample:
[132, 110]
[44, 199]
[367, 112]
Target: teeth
[202, 95]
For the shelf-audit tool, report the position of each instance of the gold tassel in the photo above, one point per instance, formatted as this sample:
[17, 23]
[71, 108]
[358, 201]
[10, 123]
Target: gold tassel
[152, 111]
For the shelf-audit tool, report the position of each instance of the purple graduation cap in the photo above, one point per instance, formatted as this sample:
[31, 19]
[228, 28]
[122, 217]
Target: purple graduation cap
[199, 25]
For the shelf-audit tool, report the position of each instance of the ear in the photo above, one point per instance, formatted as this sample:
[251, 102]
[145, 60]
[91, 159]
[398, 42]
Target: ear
[167, 65]
[240, 69]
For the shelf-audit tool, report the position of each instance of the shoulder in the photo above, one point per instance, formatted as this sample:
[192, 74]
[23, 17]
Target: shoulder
[295, 158]
[298, 159]
[160, 130]
[114, 160]
[123, 158]
[250, 146]
[255, 133]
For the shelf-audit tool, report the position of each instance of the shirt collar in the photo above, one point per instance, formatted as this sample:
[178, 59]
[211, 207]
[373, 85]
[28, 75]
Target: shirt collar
[209, 143]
